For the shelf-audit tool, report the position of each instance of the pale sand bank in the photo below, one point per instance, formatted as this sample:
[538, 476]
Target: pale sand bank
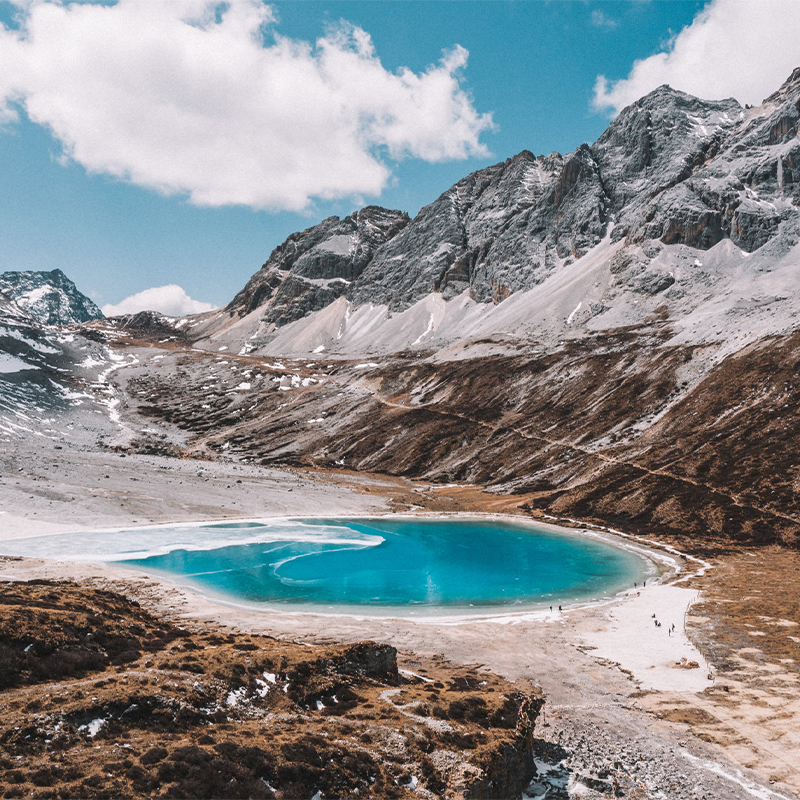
[629, 636]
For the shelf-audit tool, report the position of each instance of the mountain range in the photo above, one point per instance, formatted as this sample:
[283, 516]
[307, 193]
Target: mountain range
[684, 209]
[610, 335]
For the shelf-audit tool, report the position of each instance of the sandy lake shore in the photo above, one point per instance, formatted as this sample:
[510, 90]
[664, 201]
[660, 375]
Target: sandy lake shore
[611, 676]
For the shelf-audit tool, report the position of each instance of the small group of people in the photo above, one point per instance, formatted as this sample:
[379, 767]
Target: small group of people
[671, 628]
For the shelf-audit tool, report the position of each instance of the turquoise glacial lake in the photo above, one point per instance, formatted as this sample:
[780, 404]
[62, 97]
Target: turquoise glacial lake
[415, 564]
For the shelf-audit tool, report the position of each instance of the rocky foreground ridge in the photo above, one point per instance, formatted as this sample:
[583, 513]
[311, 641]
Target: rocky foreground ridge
[102, 699]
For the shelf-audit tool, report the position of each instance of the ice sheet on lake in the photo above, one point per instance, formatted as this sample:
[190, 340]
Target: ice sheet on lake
[138, 543]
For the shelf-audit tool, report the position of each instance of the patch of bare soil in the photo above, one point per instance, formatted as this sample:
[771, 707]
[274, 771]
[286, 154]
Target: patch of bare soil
[100, 698]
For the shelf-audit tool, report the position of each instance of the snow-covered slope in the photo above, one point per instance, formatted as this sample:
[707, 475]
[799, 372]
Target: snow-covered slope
[51, 297]
[47, 371]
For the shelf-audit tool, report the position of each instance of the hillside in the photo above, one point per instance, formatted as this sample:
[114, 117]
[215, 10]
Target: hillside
[611, 335]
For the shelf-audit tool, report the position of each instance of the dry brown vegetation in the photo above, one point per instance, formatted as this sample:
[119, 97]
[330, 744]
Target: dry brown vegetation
[102, 699]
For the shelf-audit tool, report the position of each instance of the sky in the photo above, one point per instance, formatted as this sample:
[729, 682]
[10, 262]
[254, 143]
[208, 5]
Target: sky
[157, 150]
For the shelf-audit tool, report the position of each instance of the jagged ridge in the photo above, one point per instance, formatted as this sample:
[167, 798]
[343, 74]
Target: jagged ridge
[671, 167]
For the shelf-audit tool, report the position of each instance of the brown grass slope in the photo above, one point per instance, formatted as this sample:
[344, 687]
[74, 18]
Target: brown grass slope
[205, 713]
[617, 428]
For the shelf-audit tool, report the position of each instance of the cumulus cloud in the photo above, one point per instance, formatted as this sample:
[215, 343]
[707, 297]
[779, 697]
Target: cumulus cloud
[732, 48]
[171, 300]
[207, 99]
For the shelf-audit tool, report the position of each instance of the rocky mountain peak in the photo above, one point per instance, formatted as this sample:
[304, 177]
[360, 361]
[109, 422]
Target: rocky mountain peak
[50, 297]
[312, 268]
[777, 120]
[789, 89]
[659, 141]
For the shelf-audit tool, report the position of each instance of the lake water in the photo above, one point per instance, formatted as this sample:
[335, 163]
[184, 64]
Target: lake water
[415, 565]
[418, 565]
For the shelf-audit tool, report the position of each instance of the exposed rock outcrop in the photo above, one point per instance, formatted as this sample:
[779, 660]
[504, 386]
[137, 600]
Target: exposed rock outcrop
[149, 324]
[312, 268]
[495, 232]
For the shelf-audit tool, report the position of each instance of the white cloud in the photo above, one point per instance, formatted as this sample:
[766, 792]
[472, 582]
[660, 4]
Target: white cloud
[185, 96]
[171, 300]
[733, 48]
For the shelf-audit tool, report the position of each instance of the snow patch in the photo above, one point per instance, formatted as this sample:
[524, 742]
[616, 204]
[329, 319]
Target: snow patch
[574, 312]
[735, 776]
[426, 332]
[10, 364]
[13, 333]
[93, 728]
[407, 673]
[236, 697]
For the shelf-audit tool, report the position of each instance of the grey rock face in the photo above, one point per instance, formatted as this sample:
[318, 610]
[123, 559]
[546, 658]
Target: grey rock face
[723, 173]
[753, 224]
[50, 297]
[495, 232]
[658, 142]
[314, 267]
[671, 168]
[38, 368]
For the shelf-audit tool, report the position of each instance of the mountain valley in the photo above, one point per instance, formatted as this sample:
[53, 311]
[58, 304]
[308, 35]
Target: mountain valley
[608, 339]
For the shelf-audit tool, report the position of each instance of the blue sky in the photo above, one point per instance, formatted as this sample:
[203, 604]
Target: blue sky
[532, 65]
